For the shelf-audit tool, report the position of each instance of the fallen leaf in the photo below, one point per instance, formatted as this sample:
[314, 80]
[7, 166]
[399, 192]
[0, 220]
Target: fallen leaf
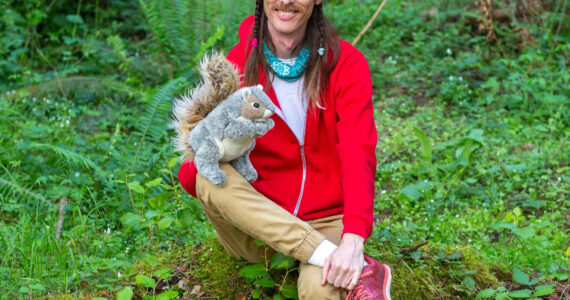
[183, 285]
[196, 290]
[240, 296]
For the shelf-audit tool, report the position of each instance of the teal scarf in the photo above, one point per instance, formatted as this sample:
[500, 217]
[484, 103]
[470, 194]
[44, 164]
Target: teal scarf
[284, 70]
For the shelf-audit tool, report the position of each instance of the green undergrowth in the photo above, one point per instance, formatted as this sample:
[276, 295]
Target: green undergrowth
[473, 149]
[443, 271]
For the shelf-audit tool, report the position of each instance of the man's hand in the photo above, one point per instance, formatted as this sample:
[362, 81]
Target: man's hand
[343, 267]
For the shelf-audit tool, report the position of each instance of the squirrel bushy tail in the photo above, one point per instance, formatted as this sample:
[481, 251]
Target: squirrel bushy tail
[219, 80]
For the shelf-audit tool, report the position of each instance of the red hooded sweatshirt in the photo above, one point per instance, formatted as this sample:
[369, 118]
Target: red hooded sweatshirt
[333, 172]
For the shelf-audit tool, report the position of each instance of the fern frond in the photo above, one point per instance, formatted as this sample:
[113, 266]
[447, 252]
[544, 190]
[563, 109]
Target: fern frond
[157, 115]
[170, 25]
[15, 187]
[72, 158]
[65, 86]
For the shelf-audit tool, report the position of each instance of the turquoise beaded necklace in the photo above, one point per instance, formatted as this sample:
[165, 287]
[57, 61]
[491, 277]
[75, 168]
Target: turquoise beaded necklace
[284, 70]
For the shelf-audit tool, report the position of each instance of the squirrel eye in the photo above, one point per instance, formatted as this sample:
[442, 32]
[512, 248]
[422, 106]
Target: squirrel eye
[256, 105]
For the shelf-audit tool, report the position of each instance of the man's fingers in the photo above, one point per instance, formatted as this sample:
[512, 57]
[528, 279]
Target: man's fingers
[325, 272]
[353, 281]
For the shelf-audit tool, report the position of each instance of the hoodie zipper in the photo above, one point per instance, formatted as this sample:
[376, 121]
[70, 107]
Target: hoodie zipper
[279, 113]
[302, 181]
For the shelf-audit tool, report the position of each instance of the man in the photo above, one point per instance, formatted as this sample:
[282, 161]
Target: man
[313, 198]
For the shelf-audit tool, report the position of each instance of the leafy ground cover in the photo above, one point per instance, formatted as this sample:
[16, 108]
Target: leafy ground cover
[473, 179]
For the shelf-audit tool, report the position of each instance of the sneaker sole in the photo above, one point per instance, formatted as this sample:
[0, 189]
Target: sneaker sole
[387, 284]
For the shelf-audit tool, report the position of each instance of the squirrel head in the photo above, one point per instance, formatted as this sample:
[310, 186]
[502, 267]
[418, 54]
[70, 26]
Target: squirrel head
[257, 106]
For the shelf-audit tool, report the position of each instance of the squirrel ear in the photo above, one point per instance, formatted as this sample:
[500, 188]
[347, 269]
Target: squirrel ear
[245, 93]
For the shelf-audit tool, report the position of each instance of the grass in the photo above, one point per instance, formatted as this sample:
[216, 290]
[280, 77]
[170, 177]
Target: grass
[472, 155]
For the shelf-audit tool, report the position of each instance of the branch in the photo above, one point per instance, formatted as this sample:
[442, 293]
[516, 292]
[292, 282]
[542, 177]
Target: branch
[62, 204]
[413, 248]
[561, 144]
[369, 22]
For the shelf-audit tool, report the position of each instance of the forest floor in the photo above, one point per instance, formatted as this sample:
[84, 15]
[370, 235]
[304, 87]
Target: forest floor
[473, 178]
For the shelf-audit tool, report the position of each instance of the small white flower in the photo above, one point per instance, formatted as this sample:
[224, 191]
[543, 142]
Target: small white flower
[119, 274]
[448, 51]
[457, 215]
[450, 77]
[77, 174]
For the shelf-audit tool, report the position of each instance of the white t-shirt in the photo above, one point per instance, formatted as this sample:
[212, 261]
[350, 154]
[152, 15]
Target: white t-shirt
[293, 102]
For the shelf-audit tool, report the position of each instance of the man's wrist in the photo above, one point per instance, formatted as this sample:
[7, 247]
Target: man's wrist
[352, 238]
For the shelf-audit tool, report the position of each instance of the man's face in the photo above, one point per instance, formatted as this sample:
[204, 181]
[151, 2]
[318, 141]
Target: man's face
[288, 17]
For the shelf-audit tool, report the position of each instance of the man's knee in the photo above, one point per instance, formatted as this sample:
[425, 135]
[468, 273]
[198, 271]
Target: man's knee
[309, 284]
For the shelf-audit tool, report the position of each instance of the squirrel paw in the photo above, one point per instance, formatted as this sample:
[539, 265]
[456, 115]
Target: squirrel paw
[218, 179]
[251, 175]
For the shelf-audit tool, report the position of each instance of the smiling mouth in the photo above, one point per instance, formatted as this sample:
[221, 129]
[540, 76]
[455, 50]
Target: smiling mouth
[286, 13]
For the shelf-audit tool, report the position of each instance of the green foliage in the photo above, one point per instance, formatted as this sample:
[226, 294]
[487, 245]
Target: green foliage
[473, 149]
[261, 278]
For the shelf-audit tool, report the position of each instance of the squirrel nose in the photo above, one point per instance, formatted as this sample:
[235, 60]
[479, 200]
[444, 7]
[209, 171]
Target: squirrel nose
[267, 113]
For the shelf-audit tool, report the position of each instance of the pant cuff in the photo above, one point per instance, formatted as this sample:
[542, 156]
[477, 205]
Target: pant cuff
[312, 240]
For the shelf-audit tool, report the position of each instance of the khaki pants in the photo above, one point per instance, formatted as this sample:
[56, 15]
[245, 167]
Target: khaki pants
[241, 215]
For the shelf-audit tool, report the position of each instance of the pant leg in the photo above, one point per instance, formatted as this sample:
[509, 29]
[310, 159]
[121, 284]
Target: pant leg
[309, 283]
[240, 214]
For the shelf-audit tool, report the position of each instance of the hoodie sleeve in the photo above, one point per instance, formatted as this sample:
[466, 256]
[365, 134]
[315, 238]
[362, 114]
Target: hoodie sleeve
[357, 140]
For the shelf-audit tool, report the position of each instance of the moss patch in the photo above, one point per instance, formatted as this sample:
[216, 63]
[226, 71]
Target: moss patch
[439, 272]
[217, 272]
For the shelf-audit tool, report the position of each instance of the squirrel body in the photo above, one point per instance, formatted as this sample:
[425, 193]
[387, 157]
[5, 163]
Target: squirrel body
[218, 122]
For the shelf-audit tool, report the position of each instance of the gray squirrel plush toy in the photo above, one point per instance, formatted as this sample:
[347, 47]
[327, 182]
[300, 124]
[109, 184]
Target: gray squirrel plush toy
[218, 121]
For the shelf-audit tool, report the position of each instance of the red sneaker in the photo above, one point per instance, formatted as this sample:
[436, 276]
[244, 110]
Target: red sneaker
[374, 283]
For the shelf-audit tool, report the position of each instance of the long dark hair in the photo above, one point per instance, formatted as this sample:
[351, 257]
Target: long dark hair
[320, 34]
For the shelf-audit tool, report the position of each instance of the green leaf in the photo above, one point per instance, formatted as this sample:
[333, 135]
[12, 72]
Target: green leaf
[487, 293]
[37, 287]
[427, 148]
[520, 277]
[75, 19]
[469, 282]
[172, 162]
[265, 282]
[152, 213]
[136, 186]
[153, 202]
[154, 182]
[281, 261]
[259, 243]
[256, 293]
[520, 293]
[277, 297]
[125, 294]
[289, 291]
[416, 255]
[543, 292]
[168, 295]
[130, 220]
[99, 298]
[145, 281]
[253, 271]
[185, 217]
[455, 256]
[165, 223]
[161, 272]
